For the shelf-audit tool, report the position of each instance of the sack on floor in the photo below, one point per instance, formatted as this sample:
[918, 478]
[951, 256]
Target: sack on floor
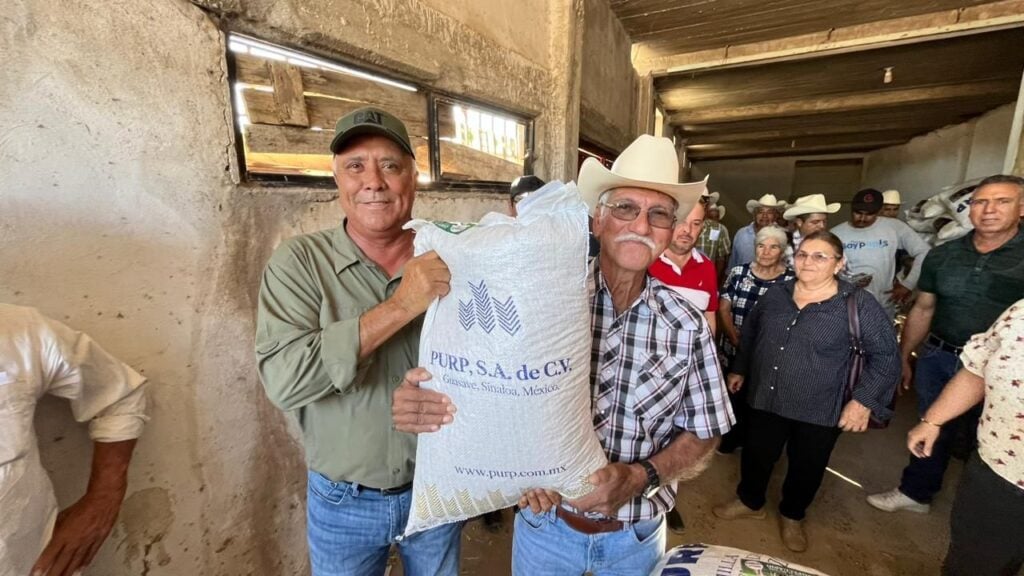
[510, 344]
[708, 560]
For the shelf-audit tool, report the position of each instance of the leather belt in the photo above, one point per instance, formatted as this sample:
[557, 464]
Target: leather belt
[388, 491]
[943, 345]
[585, 525]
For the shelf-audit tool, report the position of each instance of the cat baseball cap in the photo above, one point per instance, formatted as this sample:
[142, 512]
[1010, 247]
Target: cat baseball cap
[370, 120]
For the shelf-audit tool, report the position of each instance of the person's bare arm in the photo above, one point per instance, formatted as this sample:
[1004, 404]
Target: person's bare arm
[615, 484]
[961, 394]
[725, 319]
[82, 527]
[919, 322]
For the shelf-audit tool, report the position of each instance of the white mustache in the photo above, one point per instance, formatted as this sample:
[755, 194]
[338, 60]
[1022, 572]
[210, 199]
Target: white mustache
[630, 237]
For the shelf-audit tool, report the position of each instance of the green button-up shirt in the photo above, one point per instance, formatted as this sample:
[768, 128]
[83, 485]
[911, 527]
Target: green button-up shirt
[972, 289]
[313, 292]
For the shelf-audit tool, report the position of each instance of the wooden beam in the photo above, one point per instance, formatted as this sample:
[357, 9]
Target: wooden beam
[324, 111]
[850, 132]
[262, 138]
[288, 93]
[847, 103]
[934, 26]
[645, 105]
[765, 152]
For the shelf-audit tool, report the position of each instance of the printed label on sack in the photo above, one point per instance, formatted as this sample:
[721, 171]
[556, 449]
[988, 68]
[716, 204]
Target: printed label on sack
[483, 375]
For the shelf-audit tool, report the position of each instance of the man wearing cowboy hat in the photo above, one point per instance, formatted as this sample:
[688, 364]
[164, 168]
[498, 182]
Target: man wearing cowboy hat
[871, 243]
[714, 236]
[766, 211]
[809, 214]
[891, 204]
[659, 401]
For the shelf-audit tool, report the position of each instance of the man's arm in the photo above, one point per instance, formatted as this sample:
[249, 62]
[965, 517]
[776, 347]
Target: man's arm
[712, 325]
[299, 360]
[82, 528]
[725, 320]
[916, 247]
[919, 322]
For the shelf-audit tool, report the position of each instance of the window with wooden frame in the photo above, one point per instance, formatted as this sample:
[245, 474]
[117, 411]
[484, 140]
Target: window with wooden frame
[287, 103]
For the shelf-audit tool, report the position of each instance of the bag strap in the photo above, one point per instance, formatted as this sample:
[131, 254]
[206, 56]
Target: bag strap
[854, 320]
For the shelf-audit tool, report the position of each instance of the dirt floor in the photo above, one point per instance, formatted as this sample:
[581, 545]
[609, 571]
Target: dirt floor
[847, 536]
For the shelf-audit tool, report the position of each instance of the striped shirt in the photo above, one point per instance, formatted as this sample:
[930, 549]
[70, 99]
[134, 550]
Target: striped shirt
[795, 362]
[654, 372]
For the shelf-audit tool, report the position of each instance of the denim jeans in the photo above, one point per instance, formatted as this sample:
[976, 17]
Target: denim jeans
[543, 544]
[922, 478]
[351, 530]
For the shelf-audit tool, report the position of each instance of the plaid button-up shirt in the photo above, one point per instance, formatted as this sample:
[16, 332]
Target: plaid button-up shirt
[654, 374]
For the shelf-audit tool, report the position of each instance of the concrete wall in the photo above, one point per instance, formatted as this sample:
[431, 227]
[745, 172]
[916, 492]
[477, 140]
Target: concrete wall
[123, 216]
[945, 157]
[608, 98]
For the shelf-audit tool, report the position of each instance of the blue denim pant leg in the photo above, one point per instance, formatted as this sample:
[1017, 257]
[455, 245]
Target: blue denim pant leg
[350, 531]
[922, 478]
[543, 545]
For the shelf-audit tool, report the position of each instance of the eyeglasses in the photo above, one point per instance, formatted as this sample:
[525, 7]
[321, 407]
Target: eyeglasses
[627, 211]
[817, 257]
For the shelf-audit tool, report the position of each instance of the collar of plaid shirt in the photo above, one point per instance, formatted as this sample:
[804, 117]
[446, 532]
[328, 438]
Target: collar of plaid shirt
[654, 372]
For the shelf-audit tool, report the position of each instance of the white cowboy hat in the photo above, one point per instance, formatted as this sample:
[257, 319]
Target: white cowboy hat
[720, 208]
[650, 163]
[766, 201]
[891, 197]
[811, 204]
[712, 198]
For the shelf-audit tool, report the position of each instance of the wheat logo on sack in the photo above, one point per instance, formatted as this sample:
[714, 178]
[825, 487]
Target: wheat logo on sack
[486, 312]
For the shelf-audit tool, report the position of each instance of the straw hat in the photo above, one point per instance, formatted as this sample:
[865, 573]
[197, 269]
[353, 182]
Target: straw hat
[650, 163]
[812, 204]
[766, 201]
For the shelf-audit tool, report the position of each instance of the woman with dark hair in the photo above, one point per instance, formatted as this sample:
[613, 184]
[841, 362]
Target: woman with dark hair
[794, 357]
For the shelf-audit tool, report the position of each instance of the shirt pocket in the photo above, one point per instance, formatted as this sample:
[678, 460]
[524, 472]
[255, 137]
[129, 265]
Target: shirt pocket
[658, 392]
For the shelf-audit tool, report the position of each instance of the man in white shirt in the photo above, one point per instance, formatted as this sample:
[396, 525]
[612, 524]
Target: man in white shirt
[870, 245]
[40, 356]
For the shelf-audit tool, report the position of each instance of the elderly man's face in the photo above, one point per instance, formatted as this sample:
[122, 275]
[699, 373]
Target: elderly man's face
[376, 184]
[890, 211]
[687, 231]
[996, 208]
[765, 217]
[633, 245]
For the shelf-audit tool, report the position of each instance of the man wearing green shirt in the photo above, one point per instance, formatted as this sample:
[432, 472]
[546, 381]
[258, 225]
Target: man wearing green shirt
[965, 285]
[338, 325]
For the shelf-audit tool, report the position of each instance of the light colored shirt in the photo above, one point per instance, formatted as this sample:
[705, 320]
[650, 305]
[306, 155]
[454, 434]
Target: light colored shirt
[996, 355]
[743, 246]
[314, 290]
[714, 240]
[654, 370]
[872, 250]
[40, 356]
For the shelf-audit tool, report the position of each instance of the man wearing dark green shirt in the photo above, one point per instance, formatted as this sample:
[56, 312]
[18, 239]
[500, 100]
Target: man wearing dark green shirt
[338, 325]
[964, 286]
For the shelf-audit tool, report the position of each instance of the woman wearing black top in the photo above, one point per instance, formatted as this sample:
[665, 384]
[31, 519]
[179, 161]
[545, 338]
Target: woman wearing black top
[794, 357]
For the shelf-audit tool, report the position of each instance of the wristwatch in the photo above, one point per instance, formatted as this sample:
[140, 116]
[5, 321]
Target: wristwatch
[653, 480]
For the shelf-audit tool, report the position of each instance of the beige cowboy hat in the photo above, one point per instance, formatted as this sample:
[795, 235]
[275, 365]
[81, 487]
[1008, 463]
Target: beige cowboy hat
[650, 163]
[720, 208]
[891, 197]
[811, 204]
[766, 201]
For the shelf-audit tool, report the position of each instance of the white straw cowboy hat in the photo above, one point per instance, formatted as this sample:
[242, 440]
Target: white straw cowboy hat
[812, 204]
[891, 197]
[650, 163]
[766, 201]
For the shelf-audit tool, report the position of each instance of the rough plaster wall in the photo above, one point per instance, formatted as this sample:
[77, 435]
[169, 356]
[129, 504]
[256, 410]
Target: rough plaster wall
[945, 157]
[513, 25]
[607, 106]
[122, 218]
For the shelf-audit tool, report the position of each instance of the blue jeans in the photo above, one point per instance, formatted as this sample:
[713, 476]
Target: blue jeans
[922, 478]
[351, 530]
[543, 544]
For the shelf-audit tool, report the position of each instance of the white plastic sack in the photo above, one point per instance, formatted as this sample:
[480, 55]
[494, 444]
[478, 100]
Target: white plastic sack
[510, 344]
[707, 560]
